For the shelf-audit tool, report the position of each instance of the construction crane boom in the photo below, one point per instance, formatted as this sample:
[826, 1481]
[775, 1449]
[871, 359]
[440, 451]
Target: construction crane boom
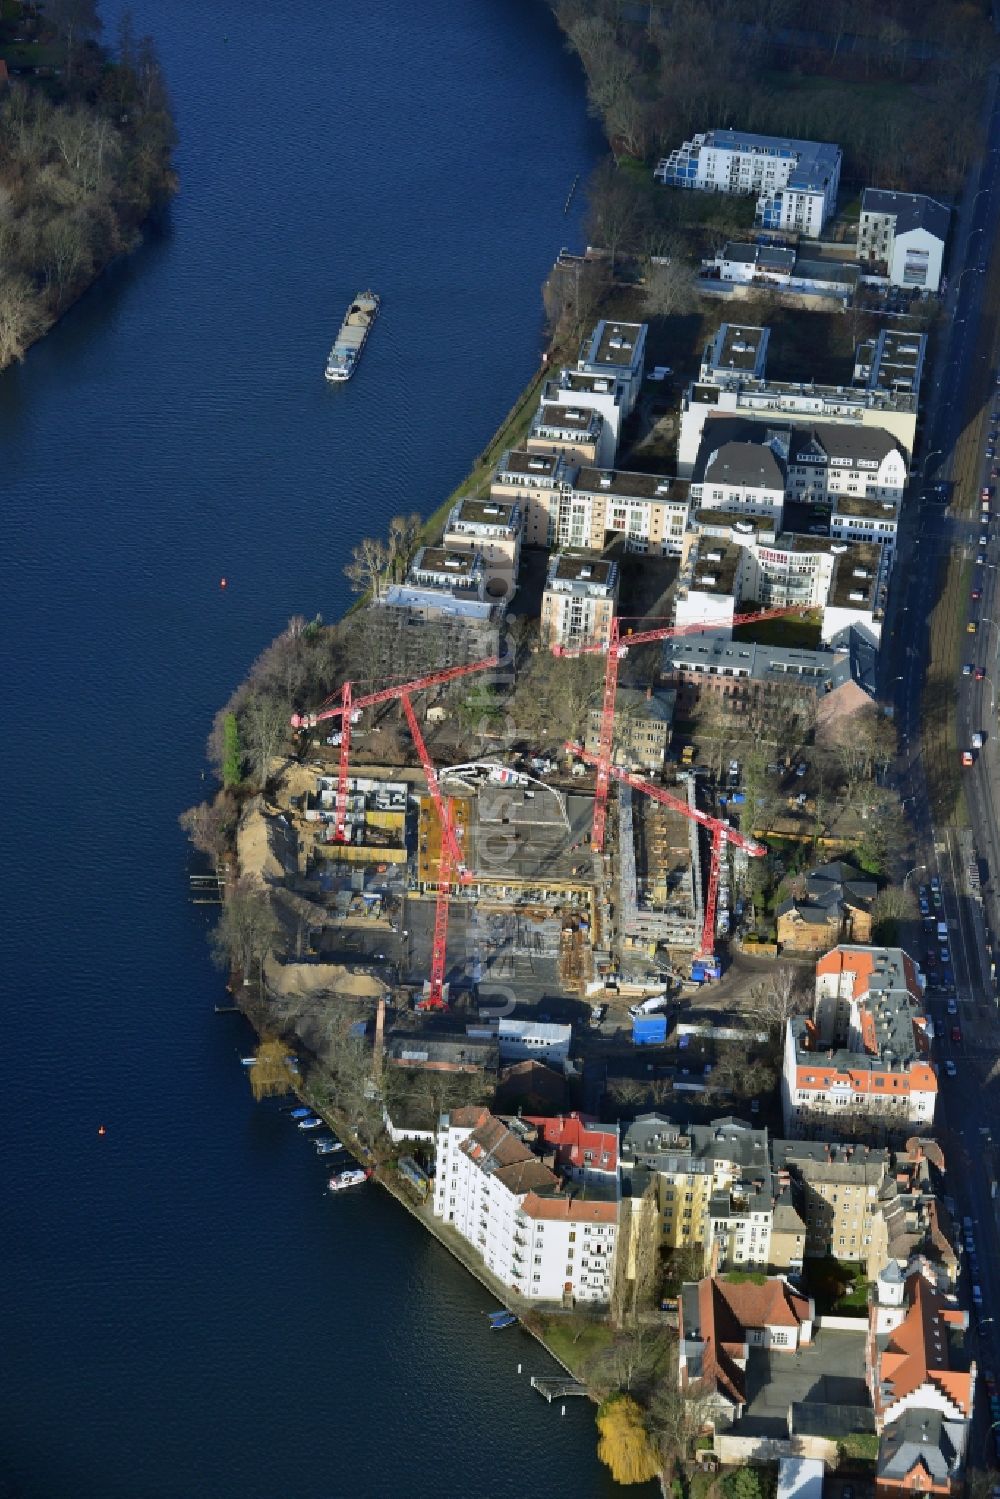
[617, 647]
[448, 838]
[434, 998]
[658, 793]
[387, 694]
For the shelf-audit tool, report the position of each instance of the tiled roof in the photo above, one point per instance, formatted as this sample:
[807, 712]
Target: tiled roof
[917, 1352]
[773, 1304]
[573, 1138]
[569, 1209]
[468, 1118]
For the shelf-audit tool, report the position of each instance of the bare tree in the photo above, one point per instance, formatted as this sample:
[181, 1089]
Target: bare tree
[612, 208]
[264, 727]
[211, 825]
[21, 316]
[668, 289]
[247, 929]
[368, 566]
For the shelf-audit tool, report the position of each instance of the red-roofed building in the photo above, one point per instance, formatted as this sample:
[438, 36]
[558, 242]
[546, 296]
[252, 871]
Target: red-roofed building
[719, 1321]
[584, 1150]
[863, 1061]
[537, 1199]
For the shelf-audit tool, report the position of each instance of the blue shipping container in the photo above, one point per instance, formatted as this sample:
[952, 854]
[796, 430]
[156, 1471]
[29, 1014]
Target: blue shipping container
[649, 1030]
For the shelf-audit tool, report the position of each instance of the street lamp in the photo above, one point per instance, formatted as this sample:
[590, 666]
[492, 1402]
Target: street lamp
[911, 872]
[935, 453]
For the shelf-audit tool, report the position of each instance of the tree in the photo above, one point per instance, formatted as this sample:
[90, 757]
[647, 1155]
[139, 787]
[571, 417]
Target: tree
[624, 1446]
[232, 758]
[742, 1483]
[778, 998]
[668, 289]
[403, 533]
[21, 316]
[612, 208]
[247, 929]
[366, 571]
[211, 825]
[264, 727]
[891, 906]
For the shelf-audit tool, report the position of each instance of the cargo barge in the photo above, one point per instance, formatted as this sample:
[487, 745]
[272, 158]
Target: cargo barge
[354, 330]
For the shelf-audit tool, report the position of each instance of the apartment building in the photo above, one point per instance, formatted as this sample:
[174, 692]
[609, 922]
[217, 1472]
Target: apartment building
[749, 682]
[795, 182]
[578, 605]
[533, 480]
[660, 900]
[843, 579]
[575, 431]
[616, 351]
[643, 722]
[836, 1187]
[649, 510]
[458, 573]
[490, 529]
[598, 392]
[741, 477]
[547, 1236]
[909, 1218]
[827, 461]
[714, 1186]
[881, 391]
[902, 237]
[860, 1065]
[922, 1381]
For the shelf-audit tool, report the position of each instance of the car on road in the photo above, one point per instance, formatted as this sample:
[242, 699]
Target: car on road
[986, 492]
[967, 669]
[800, 770]
[977, 594]
[945, 954]
[936, 898]
[971, 627]
[980, 558]
[947, 979]
[979, 673]
[925, 909]
[952, 1007]
[984, 540]
[967, 758]
[956, 1035]
[977, 1295]
[950, 1068]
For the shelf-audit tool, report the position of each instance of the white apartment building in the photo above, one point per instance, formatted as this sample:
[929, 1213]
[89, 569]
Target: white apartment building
[578, 605]
[732, 382]
[603, 393]
[862, 1063]
[902, 237]
[742, 478]
[826, 462]
[841, 578]
[616, 352]
[491, 529]
[795, 182]
[544, 1238]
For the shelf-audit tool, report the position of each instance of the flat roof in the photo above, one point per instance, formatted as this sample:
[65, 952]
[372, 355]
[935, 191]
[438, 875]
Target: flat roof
[715, 569]
[572, 567]
[630, 484]
[613, 344]
[487, 512]
[443, 560]
[568, 418]
[860, 505]
[739, 347]
[520, 461]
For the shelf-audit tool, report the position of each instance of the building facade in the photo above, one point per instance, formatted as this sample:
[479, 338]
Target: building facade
[902, 237]
[490, 529]
[795, 182]
[578, 605]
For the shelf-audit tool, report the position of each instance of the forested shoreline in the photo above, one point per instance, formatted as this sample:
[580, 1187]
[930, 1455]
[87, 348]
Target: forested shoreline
[86, 141]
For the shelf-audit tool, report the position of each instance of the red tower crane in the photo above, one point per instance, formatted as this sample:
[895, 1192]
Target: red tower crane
[434, 998]
[349, 706]
[721, 835]
[616, 648]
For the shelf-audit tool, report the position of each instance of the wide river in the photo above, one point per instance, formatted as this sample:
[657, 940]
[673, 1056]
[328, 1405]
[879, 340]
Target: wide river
[186, 1312]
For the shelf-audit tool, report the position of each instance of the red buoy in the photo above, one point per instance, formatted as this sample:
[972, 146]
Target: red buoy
[101, 1130]
[223, 582]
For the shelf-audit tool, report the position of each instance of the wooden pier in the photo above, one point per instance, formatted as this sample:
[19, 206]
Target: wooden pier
[557, 1389]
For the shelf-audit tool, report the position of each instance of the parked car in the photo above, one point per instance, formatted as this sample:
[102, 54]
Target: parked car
[956, 1035]
[967, 669]
[800, 770]
[971, 627]
[979, 673]
[952, 1007]
[950, 1068]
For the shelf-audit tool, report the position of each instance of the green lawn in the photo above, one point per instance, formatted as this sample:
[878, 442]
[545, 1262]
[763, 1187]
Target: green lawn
[794, 632]
[839, 1286]
[575, 1341]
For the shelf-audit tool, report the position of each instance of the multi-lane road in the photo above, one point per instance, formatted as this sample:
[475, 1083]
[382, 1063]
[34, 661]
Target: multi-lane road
[958, 412]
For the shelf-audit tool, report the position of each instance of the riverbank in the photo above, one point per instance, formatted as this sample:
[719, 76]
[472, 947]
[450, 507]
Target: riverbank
[86, 140]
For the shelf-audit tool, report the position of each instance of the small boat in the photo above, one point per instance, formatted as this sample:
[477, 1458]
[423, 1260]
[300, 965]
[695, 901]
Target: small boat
[299, 1113]
[500, 1320]
[352, 1177]
[310, 1123]
[248, 1061]
[328, 1146]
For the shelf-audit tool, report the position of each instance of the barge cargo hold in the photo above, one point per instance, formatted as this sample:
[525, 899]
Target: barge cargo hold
[353, 335]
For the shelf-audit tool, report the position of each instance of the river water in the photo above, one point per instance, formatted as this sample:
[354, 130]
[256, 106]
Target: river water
[186, 1312]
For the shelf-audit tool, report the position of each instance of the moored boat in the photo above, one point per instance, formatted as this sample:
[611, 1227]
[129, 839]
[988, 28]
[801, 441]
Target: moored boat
[310, 1123]
[328, 1147]
[352, 1177]
[300, 1113]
